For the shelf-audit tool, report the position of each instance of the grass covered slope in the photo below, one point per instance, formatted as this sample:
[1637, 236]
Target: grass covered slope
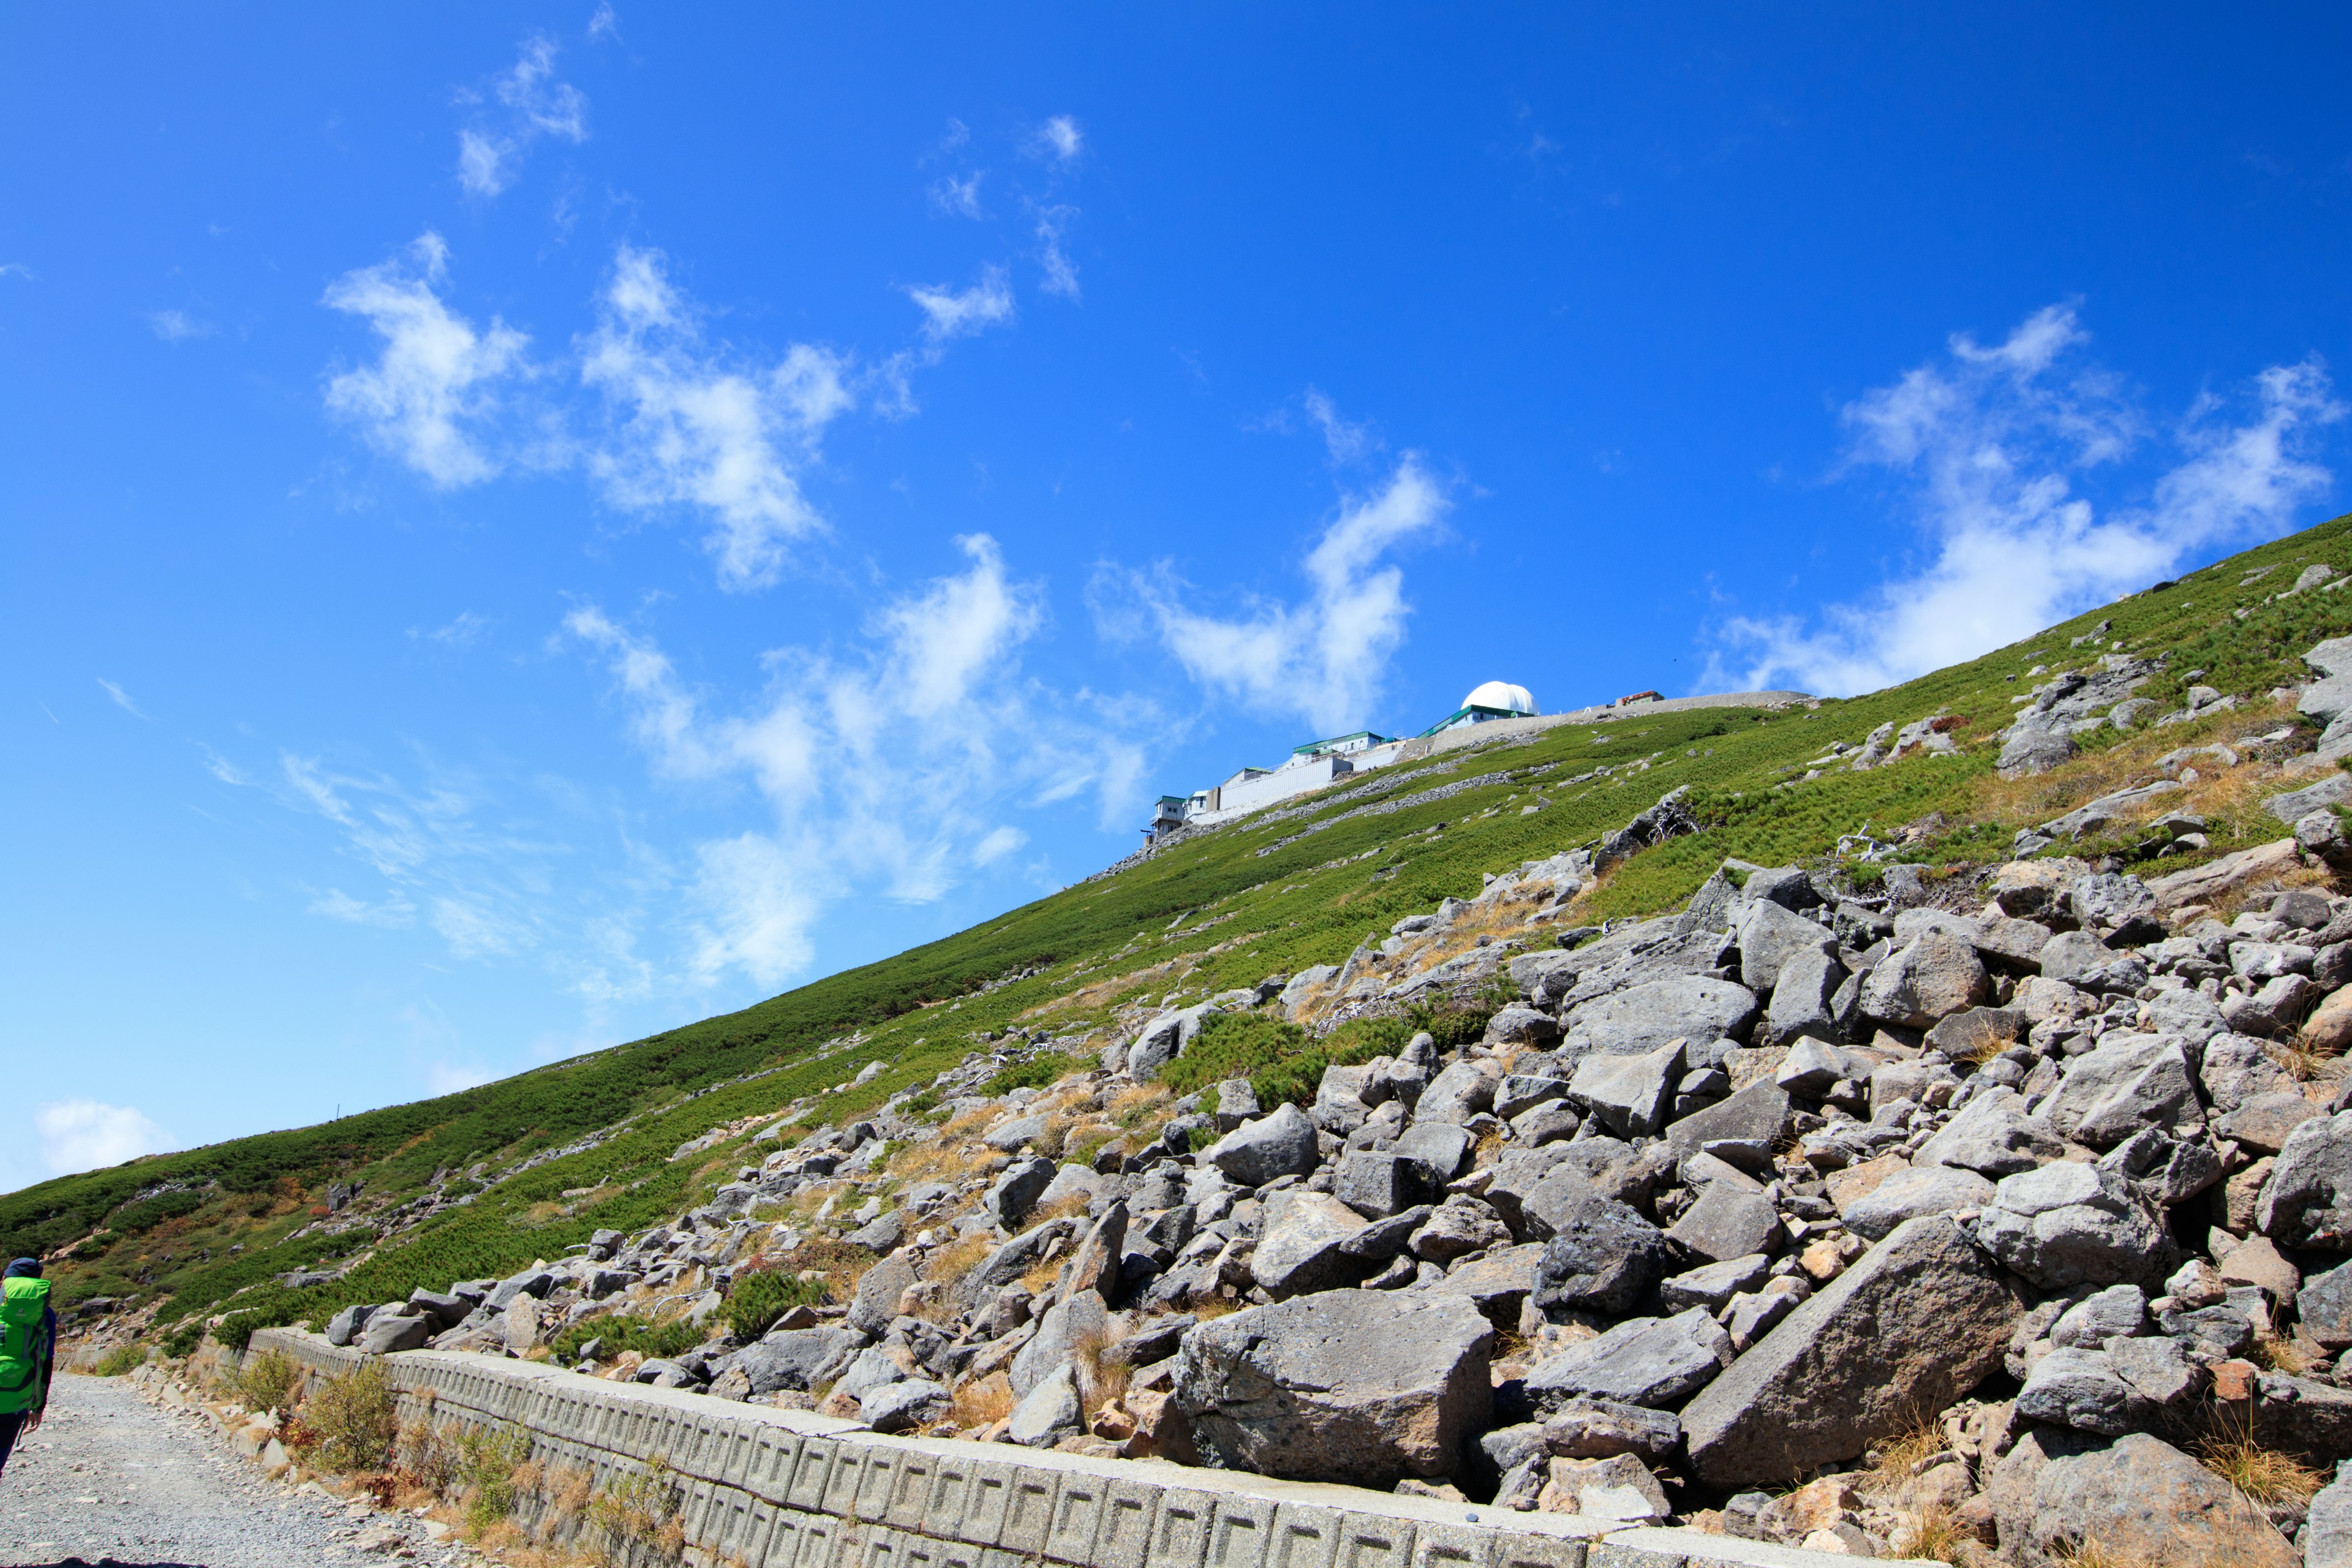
[480, 1183]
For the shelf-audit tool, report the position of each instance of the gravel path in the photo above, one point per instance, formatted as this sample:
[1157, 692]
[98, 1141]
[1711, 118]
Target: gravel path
[112, 1479]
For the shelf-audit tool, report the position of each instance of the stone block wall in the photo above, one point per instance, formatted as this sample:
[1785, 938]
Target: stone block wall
[785, 1489]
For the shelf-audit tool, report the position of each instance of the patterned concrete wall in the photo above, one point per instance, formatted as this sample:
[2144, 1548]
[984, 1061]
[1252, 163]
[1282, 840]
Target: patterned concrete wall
[785, 1489]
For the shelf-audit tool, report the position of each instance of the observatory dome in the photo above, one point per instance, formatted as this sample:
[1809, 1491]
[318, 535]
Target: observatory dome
[1501, 694]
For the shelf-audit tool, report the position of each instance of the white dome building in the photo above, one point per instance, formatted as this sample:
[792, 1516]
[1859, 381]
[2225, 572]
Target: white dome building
[1501, 695]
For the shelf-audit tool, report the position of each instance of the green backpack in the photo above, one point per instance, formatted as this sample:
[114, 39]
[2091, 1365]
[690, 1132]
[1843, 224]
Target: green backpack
[24, 1303]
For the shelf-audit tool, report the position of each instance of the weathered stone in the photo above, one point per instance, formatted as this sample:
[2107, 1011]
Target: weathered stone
[2203, 884]
[1908, 1194]
[1378, 1184]
[1299, 1249]
[2119, 1310]
[1521, 1091]
[1937, 974]
[2079, 1388]
[386, 1333]
[1441, 1148]
[1458, 1094]
[1602, 1257]
[903, 1405]
[1013, 1258]
[345, 1325]
[2328, 1030]
[1359, 1386]
[1769, 936]
[2264, 1122]
[1645, 1018]
[1914, 1324]
[878, 1289]
[2137, 1497]
[1620, 1488]
[2325, 1306]
[1498, 1283]
[1713, 1285]
[1095, 1265]
[1725, 1223]
[1059, 1334]
[2235, 1069]
[2308, 1202]
[1993, 1136]
[2326, 1538]
[1047, 1413]
[1016, 1192]
[2067, 1225]
[1756, 1114]
[1601, 1428]
[1282, 1144]
[1804, 997]
[1651, 1362]
[1457, 1228]
[1629, 1094]
[2130, 1082]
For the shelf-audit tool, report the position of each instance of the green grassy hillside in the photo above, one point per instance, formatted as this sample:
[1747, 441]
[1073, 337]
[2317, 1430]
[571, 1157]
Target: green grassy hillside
[213, 1228]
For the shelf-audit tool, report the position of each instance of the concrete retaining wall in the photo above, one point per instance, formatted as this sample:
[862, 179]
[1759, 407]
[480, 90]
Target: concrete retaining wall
[785, 1489]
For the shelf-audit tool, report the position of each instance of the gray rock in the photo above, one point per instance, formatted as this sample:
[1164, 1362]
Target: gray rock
[1359, 1386]
[385, 1334]
[2309, 1200]
[345, 1325]
[1059, 1331]
[1520, 1092]
[1651, 1362]
[903, 1405]
[1456, 1095]
[2157, 1369]
[1713, 1285]
[1643, 1017]
[868, 1370]
[1237, 1103]
[2138, 1497]
[1914, 1324]
[1602, 1257]
[1937, 974]
[1629, 1094]
[1376, 1184]
[2068, 1224]
[1441, 1148]
[1725, 1223]
[882, 1233]
[2326, 1538]
[1299, 1249]
[1339, 1106]
[446, 1310]
[2325, 1306]
[1013, 1259]
[2071, 954]
[1016, 1192]
[2264, 1122]
[1993, 1136]
[1908, 1195]
[1601, 1428]
[2236, 1069]
[1757, 1114]
[1015, 1134]
[2131, 1082]
[1497, 1283]
[796, 1359]
[1803, 1004]
[1457, 1228]
[1518, 1026]
[1769, 936]
[2079, 1388]
[2118, 1311]
[878, 1289]
[1047, 1413]
[1280, 1144]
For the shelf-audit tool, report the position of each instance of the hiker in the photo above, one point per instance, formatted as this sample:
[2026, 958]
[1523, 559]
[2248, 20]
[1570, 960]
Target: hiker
[28, 1343]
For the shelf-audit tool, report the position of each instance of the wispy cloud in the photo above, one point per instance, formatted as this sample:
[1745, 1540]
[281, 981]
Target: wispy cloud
[87, 1134]
[686, 427]
[958, 197]
[881, 769]
[337, 905]
[605, 24]
[178, 326]
[1061, 273]
[1060, 139]
[16, 269]
[950, 313]
[1346, 443]
[1987, 444]
[519, 107]
[121, 697]
[437, 374]
[463, 631]
[1323, 659]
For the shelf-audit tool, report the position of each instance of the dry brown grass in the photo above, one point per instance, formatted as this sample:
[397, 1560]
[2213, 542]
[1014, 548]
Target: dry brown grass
[968, 1123]
[2230, 799]
[1041, 1279]
[981, 1402]
[941, 1159]
[2283, 1353]
[1132, 1108]
[1921, 1436]
[1216, 1307]
[1102, 1378]
[1060, 1208]
[2263, 1475]
[1934, 1533]
[949, 1264]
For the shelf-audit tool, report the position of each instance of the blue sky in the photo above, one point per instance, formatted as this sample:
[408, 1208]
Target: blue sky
[529, 525]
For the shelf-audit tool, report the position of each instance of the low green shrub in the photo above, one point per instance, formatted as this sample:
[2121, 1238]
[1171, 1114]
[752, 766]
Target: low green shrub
[1036, 1072]
[181, 1342]
[352, 1420]
[270, 1381]
[757, 1300]
[620, 1332]
[120, 1359]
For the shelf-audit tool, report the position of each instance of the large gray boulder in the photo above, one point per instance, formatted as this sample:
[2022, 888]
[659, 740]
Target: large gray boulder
[2137, 1497]
[1754, 1115]
[386, 1333]
[1915, 1323]
[1804, 998]
[2066, 1224]
[1381, 1183]
[1652, 1362]
[1059, 1333]
[1013, 1258]
[1255, 1152]
[1769, 936]
[1365, 1387]
[1300, 1247]
[1602, 1257]
[1908, 1195]
[1725, 1223]
[1993, 1136]
[2078, 1387]
[345, 1325]
[878, 1289]
[1016, 1192]
[2327, 1539]
[2309, 1200]
[1937, 975]
[796, 1359]
[1049, 1412]
[2131, 1082]
[1630, 1095]
[1458, 1094]
[1643, 1017]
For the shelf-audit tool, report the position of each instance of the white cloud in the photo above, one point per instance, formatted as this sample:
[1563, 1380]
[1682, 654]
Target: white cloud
[221, 768]
[86, 1135]
[1060, 275]
[449, 1078]
[686, 428]
[337, 905]
[16, 269]
[605, 22]
[464, 631]
[1061, 139]
[121, 698]
[950, 313]
[878, 769]
[178, 326]
[958, 197]
[1988, 443]
[472, 928]
[436, 372]
[1344, 442]
[534, 104]
[1322, 660]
